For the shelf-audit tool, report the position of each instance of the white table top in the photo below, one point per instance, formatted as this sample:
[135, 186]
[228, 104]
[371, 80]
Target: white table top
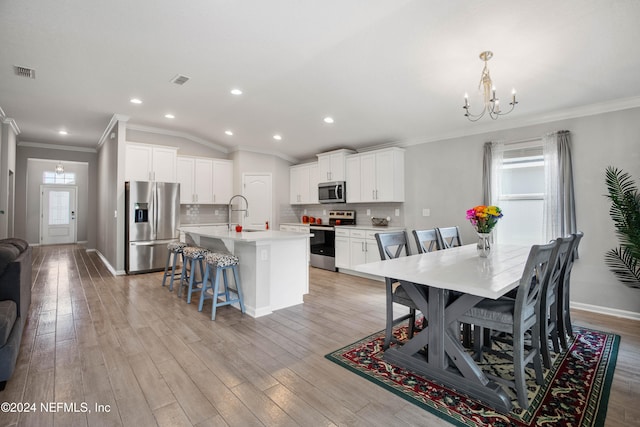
[243, 236]
[458, 269]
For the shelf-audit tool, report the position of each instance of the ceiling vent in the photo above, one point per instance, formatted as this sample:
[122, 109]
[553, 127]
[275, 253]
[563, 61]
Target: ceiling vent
[24, 71]
[179, 79]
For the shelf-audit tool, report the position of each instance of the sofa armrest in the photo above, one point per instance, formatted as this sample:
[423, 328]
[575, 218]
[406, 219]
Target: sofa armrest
[15, 282]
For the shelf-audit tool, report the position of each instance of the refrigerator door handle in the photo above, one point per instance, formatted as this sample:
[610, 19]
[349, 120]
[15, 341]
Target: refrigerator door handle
[153, 242]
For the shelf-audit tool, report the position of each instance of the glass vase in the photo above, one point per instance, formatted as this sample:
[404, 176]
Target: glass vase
[484, 244]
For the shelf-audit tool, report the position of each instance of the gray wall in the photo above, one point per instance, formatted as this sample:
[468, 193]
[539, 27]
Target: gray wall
[107, 200]
[27, 191]
[446, 177]
[250, 162]
[7, 166]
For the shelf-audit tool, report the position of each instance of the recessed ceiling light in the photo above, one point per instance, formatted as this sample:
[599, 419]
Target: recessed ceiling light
[277, 137]
[135, 101]
[236, 92]
[228, 132]
[63, 132]
[328, 119]
[170, 116]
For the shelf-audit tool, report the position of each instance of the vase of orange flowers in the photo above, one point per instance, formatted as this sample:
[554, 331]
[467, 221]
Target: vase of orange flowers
[484, 219]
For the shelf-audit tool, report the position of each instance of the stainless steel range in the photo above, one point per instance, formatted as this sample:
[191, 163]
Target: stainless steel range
[323, 242]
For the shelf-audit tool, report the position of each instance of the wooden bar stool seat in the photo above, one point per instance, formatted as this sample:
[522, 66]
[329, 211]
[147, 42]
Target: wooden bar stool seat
[217, 265]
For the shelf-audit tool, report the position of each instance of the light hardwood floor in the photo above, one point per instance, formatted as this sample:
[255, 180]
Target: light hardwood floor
[132, 346]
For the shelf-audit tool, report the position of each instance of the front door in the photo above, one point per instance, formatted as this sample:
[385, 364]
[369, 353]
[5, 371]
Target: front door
[257, 190]
[57, 214]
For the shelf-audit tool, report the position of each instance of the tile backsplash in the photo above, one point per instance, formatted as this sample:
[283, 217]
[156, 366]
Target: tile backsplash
[203, 214]
[364, 212]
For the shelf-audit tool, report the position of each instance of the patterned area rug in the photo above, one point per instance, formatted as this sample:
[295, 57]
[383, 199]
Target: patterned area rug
[575, 391]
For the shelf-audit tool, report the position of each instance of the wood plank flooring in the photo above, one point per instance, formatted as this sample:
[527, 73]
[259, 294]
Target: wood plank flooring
[148, 358]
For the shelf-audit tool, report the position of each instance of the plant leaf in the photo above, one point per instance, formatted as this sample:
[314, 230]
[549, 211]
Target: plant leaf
[624, 266]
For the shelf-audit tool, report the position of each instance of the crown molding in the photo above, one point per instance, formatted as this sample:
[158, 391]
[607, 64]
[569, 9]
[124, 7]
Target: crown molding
[554, 116]
[9, 121]
[184, 135]
[56, 147]
[263, 151]
[12, 123]
[114, 119]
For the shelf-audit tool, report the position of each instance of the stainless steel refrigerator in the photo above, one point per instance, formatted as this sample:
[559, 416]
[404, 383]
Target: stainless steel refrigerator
[153, 218]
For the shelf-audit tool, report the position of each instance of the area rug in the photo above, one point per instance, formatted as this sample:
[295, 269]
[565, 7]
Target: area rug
[575, 391]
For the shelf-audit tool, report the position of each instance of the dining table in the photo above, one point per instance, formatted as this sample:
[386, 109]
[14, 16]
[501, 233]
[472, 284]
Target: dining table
[437, 352]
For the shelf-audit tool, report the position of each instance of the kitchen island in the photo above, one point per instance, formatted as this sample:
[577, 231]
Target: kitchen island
[274, 267]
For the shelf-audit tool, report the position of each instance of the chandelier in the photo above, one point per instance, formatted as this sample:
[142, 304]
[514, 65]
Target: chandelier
[59, 168]
[491, 101]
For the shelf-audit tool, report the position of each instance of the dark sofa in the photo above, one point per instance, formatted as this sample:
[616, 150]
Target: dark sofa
[15, 299]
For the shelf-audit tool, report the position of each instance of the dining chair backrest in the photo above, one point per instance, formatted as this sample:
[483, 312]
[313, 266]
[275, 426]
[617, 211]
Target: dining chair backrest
[561, 255]
[393, 244]
[426, 240]
[573, 255]
[536, 273]
[449, 237]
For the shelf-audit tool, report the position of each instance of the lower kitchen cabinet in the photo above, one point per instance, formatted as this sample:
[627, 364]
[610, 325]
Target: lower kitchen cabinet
[354, 247]
[343, 258]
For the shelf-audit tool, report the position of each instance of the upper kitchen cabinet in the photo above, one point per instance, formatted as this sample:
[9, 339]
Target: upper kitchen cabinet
[303, 184]
[331, 165]
[204, 180]
[376, 176]
[146, 162]
[222, 181]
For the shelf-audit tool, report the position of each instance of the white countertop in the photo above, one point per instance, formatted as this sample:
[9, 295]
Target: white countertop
[353, 227]
[243, 236]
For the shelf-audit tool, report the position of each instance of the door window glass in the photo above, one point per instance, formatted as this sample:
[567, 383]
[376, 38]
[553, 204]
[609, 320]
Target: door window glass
[59, 208]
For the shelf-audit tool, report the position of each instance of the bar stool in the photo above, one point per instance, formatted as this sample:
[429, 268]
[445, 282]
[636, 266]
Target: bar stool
[218, 264]
[192, 255]
[174, 248]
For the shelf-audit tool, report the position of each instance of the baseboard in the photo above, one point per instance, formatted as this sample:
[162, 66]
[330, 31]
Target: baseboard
[107, 264]
[606, 310]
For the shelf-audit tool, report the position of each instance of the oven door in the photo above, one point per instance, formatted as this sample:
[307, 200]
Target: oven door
[323, 248]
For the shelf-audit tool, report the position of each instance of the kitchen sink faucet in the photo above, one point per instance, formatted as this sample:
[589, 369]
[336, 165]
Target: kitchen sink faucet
[245, 210]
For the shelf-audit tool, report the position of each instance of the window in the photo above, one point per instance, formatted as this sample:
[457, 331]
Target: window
[520, 193]
[50, 177]
[59, 208]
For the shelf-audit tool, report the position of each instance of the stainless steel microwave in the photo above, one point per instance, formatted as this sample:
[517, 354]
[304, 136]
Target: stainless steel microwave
[332, 192]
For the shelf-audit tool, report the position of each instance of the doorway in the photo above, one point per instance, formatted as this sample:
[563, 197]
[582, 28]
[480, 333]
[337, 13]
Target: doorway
[58, 214]
[257, 189]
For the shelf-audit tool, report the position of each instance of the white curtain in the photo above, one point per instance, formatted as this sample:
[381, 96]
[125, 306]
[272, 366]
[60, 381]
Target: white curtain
[492, 175]
[559, 213]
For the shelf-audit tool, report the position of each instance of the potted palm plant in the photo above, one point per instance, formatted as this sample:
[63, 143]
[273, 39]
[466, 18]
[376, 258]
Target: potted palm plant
[623, 261]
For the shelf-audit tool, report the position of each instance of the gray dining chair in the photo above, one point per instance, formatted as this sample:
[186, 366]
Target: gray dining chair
[426, 240]
[393, 245]
[449, 237]
[548, 305]
[516, 317]
[565, 329]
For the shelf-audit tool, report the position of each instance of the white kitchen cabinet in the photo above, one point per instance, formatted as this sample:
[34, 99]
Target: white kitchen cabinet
[352, 171]
[376, 176]
[363, 248]
[343, 258]
[204, 180]
[303, 184]
[331, 165]
[222, 181]
[145, 162]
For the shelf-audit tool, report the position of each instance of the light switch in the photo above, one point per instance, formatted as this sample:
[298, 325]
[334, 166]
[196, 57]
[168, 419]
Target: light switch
[115, 214]
[305, 211]
[397, 212]
[368, 212]
[324, 212]
[426, 212]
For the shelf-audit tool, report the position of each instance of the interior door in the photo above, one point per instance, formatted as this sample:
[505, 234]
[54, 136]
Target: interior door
[257, 190]
[58, 214]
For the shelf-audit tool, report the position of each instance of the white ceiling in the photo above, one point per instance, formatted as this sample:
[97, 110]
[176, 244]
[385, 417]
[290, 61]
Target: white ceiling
[385, 70]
